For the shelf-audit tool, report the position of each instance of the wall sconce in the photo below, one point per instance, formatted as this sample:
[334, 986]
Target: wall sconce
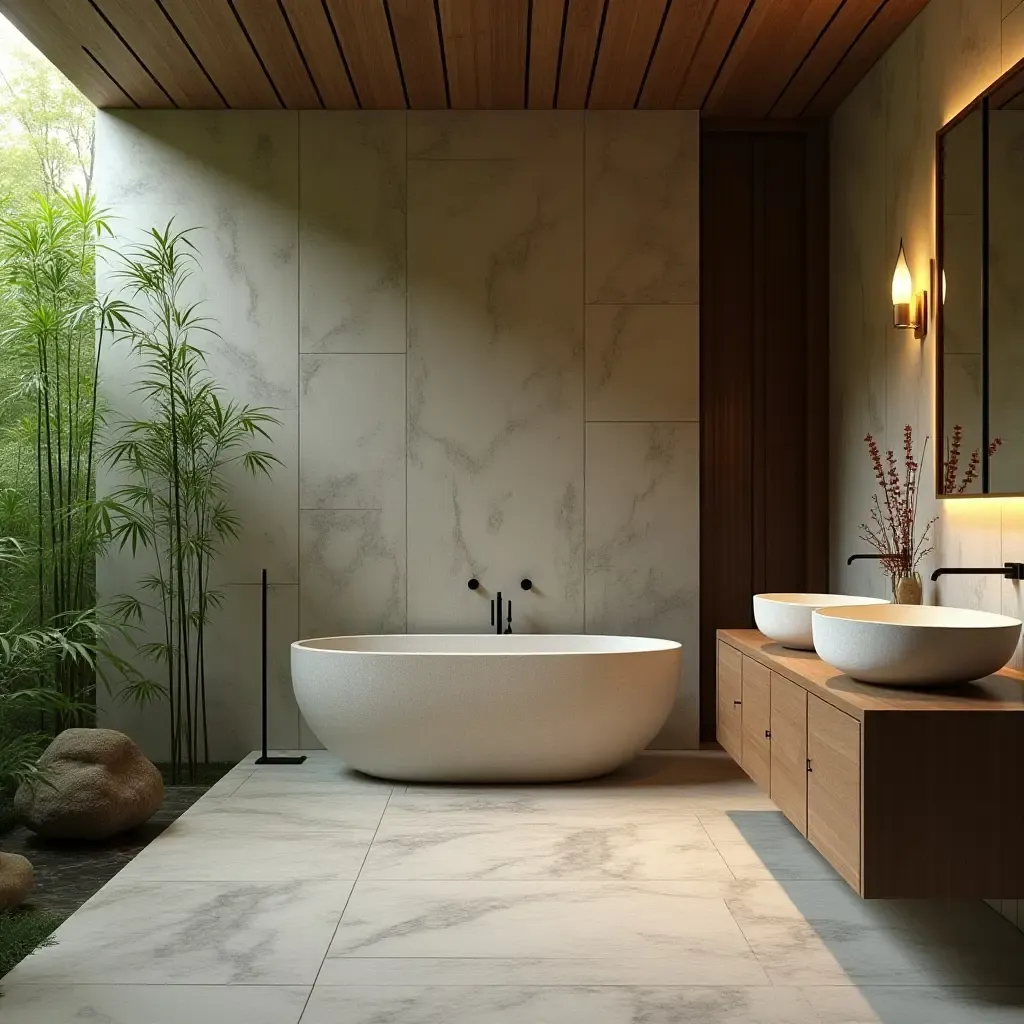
[909, 308]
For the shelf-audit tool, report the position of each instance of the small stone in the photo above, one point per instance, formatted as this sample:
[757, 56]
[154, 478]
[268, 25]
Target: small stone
[96, 784]
[17, 880]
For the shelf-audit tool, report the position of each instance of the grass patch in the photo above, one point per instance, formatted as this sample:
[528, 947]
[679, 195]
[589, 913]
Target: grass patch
[22, 931]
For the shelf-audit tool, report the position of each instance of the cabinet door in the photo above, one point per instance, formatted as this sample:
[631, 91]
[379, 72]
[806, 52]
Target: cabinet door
[730, 701]
[757, 721]
[789, 750]
[833, 787]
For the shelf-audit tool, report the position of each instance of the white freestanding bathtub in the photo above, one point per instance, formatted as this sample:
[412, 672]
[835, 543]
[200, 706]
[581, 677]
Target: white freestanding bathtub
[485, 708]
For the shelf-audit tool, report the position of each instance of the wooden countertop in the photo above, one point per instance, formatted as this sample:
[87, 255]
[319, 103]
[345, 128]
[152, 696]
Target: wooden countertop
[1003, 691]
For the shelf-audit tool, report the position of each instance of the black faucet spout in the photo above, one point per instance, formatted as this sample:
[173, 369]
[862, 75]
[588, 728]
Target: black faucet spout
[1009, 571]
[854, 558]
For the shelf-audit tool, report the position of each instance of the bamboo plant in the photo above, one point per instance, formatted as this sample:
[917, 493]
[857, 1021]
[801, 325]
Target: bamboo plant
[53, 326]
[175, 458]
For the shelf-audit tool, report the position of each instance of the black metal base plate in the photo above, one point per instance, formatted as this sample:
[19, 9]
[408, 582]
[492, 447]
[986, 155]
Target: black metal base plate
[280, 760]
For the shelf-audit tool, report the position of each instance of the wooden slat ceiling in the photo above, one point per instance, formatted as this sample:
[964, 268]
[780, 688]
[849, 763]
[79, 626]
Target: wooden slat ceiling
[730, 58]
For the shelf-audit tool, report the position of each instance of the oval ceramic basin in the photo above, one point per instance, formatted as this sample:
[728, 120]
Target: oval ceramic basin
[786, 618]
[911, 645]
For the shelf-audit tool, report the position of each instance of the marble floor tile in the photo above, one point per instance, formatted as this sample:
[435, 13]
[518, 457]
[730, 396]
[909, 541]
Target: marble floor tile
[821, 932]
[194, 933]
[509, 849]
[153, 1004]
[279, 782]
[661, 970]
[210, 850]
[764, 845]
[260, 814]
[845, 1004]
[542, 921]
[507, 1004]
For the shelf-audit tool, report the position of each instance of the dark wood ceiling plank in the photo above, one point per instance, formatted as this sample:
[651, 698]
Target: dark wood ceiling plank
[684, 27]
[630, 31]
[365, 38]
[83, 23]
[142, 25]
[52, 37]
[271, 34]
[212, 31]
[823, 59]
[776, 37]
[485, 48]
[825, 56]
[316, 41]
[545, 47]
[711, 51]
[417, 36]
[579, 50]
[883, 30]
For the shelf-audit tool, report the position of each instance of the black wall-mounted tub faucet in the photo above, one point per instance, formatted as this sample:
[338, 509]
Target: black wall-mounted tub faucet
[1009, 571]
[856, 558]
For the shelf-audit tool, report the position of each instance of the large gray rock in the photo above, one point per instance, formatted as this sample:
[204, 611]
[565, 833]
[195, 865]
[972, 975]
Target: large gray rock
[17, 880]
[96, 783]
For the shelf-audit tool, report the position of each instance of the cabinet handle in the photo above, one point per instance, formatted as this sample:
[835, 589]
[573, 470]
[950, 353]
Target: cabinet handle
[737, 703]
[809, 768]
[767, 734]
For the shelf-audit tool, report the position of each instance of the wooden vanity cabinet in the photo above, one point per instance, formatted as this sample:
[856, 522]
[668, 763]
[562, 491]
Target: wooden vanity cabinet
[907, 794]
[756, 719]
[788, 781]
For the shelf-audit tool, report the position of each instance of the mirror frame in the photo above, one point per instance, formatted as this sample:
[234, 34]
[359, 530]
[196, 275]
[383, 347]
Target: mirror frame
[1000, 92]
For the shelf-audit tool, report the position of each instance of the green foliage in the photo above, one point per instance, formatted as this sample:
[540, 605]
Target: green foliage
[47, 132]
[48, 345]
[22, 931]
[175, 456]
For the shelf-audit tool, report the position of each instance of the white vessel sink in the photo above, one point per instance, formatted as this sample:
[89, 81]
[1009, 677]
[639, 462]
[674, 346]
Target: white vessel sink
[786, 618]
[910, 645]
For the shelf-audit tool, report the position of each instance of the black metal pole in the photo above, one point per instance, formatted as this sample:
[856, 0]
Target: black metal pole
[266, 758]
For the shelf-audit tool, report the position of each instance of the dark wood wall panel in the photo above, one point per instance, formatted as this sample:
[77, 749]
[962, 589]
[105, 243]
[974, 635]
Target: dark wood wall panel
[764, 412]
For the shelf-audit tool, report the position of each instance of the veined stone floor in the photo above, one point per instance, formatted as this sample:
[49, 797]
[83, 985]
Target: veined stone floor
[672, 891]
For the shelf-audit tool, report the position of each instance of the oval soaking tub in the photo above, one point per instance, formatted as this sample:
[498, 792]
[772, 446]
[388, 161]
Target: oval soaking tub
[484, 708]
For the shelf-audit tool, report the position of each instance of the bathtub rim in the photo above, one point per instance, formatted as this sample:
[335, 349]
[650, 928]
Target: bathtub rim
[660, 646]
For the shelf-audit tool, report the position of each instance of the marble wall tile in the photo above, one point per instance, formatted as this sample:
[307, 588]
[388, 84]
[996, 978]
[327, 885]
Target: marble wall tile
[495, 381]
[643, 544]
[642, 206]
[353, 432]
[496, 135]
[353, 572]
[352, 231]
[642, 362]
[234, 177]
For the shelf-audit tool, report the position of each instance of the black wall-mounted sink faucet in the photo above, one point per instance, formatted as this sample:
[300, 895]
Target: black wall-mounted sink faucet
[1009, 571]
[855, 558]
